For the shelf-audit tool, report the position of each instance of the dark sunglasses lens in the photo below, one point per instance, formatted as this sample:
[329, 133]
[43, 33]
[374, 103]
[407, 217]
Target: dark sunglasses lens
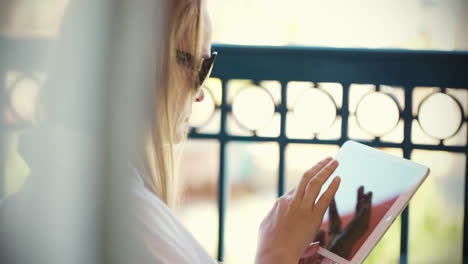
[206, 72]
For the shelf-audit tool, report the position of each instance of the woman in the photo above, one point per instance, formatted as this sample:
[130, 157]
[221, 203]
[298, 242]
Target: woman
[295, 218]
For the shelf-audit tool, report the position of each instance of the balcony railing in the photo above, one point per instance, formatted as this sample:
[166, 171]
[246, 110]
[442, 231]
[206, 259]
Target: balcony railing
[398, 68]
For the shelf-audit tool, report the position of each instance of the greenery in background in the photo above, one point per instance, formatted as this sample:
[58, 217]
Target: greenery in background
[388, 248]
[436, 226]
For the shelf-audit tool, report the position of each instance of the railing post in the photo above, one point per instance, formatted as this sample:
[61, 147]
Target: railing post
[345, 112]
[407, 149]
[222, 181]
[283, 109]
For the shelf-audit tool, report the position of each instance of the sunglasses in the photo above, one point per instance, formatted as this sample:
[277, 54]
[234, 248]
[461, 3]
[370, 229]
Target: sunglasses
[202, 69]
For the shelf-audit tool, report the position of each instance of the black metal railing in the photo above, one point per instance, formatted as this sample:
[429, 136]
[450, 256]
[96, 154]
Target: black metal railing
[403, 68]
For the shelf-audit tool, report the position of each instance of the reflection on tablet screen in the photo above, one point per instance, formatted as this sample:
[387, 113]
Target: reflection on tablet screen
[370, 186]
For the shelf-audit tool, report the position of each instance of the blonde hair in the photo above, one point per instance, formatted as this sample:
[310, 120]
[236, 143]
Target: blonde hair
[159, 166]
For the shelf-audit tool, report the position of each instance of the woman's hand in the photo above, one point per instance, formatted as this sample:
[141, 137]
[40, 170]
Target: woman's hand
[294, 220]
[340, 241]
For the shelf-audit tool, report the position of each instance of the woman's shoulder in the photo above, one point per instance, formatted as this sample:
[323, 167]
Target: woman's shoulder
[148, 205]
[163, 234]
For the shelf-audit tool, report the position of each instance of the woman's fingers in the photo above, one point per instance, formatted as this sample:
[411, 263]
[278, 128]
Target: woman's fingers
[308, 175]
[327, 197]
[368, 199]
[290, 192]
[360, 195]
[334, 222]
[360, 192]
[364, 203]
[315, 184]
[289, 224]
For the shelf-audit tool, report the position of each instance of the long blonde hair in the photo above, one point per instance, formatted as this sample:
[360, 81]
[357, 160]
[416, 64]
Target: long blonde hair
[159, 166]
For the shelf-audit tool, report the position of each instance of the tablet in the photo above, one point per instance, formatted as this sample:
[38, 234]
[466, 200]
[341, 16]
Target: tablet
[375, 188]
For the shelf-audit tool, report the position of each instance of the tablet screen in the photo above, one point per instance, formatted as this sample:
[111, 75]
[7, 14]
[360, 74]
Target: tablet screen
[371, 182]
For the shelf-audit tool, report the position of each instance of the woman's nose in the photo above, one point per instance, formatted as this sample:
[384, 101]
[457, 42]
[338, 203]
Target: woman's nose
[200, 96]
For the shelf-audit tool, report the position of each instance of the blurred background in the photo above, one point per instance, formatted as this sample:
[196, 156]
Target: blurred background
[437, 210]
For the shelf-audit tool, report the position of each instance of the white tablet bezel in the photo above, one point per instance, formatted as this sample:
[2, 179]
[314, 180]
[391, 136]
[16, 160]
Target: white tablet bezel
[385, 223]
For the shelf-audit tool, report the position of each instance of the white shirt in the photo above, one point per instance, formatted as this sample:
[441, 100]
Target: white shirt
[164, 238]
